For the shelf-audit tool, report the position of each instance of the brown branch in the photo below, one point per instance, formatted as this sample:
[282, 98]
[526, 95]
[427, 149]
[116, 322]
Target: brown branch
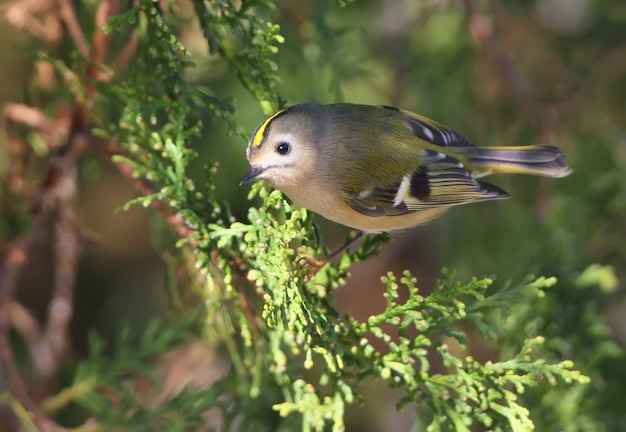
[47, 347]
[23, 321]
[68, 246]
[126, 54]
[51, 131]
[18, 152]
[21, 15]
[73, 27]
[176, 222]
[12, 262]
[67, 136]
[16, 257]
[101, 41]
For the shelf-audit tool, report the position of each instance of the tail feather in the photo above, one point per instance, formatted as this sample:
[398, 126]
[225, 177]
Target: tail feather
[542, 160]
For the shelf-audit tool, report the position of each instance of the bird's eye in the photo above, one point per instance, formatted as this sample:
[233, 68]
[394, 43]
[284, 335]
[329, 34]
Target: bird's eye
[283, 148]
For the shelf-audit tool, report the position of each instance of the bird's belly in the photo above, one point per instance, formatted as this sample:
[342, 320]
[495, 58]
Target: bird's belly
[375, 224]
[340, 212]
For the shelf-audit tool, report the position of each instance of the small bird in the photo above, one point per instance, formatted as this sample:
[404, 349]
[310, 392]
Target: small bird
[378, 168]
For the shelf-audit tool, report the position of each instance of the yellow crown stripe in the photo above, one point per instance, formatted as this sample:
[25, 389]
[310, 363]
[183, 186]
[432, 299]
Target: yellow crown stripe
[258, 136]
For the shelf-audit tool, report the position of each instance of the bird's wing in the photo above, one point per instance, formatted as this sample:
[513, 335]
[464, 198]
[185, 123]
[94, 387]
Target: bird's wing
[440, 181]
[431, 131]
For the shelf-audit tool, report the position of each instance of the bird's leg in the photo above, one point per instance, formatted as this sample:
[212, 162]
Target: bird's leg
[345, 246]
[313, 264]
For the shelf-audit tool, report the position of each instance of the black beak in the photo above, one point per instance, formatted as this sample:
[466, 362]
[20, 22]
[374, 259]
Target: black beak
[254, 172]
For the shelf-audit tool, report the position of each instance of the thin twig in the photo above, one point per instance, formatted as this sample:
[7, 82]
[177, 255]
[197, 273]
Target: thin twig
[126, 54]
[34, 118]
[68, 246]
[101, 40]
[64, 138]
[26, 325]
[176, 222]
[15, 259]
[73, 27]
[67, 136]
[21, 15]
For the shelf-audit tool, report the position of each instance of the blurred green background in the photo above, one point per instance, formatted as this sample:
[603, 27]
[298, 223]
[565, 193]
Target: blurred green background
[551, 71]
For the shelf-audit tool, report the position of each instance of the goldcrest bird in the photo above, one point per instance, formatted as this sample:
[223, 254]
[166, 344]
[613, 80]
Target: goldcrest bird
[379, 168]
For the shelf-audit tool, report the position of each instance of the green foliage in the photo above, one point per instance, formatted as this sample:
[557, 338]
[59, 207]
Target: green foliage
[103, 386]
[238, 35]
[267, 294]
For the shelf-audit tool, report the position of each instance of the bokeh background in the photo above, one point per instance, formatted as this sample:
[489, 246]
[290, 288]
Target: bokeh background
[502, 73]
